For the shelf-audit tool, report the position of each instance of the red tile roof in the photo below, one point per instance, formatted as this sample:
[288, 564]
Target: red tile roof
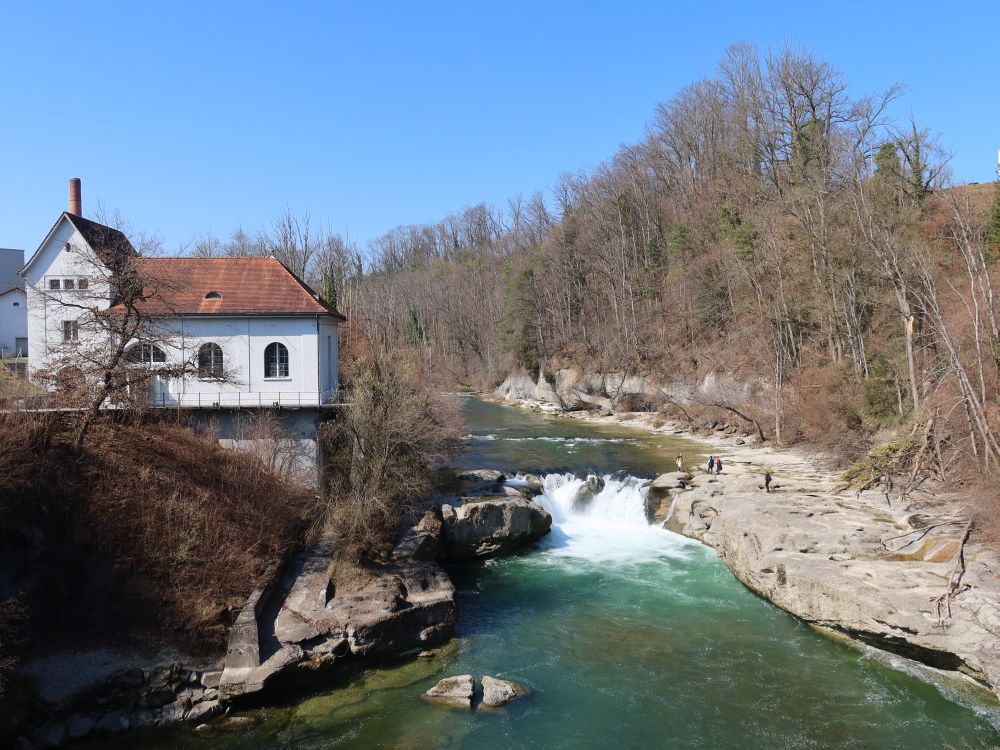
[248, 286]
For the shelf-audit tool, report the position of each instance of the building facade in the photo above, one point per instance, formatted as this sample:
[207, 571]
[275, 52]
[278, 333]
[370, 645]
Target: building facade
[13, 306]
[231, 332]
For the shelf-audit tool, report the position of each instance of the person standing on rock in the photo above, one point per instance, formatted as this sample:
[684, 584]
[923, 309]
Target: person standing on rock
[718, 464]
[680, 462]
[767, 481]
[711, 464]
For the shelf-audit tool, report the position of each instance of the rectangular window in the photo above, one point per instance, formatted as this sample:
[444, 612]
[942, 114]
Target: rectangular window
[17, 304]
[69, 284]
[53, 283]
[22, 347]
[83, 284]
[71, 331]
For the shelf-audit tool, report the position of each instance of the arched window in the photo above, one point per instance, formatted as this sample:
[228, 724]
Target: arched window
[210, 361]
[145, 354]
[276, 361]
[213, 295]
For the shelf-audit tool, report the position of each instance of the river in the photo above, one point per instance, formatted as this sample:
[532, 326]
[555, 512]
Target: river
[630, 637]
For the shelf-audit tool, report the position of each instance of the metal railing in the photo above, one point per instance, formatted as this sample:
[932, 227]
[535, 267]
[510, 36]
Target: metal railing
[242, 399]
[200, 400]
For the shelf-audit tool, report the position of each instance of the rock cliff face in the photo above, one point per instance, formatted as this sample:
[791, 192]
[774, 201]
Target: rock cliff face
[571, 389]
[403, 605]
[850, 563]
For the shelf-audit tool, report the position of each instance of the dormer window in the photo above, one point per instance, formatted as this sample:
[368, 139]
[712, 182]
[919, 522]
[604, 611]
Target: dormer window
[54, 284]
[213, 295]
[69, 284]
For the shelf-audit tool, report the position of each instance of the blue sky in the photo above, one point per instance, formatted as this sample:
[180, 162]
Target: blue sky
[195, 117]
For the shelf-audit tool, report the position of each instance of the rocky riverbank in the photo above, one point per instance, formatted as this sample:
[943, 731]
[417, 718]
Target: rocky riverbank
[309, 618]
[858, 564]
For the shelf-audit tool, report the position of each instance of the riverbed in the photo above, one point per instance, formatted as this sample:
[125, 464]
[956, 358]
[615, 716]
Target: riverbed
[628, 635]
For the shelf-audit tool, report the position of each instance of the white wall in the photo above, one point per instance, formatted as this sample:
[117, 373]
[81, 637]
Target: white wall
[48, 309]
[11, 261]
[13, 320]
[329, 355]
[243, 341]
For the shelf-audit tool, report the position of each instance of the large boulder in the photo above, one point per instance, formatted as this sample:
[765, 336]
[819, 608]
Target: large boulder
[491, 526]
[497, 692]
[585, 495]
[453, 692]
[421, 541]
[662, 486]
[533, 483]
[472, 481]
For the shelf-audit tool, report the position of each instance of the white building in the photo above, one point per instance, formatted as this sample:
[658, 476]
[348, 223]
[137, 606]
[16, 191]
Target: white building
[13, 306]
[253, 332]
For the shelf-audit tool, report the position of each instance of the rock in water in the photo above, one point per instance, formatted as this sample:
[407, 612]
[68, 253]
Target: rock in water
[588, 490]
[454, 692]
[534, 484]
[479, 480]
[489, 526]
[497, 692]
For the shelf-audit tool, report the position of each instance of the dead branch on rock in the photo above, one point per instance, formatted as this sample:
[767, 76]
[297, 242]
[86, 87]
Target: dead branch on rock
[883, 478]
[955, 585]
[923, 532]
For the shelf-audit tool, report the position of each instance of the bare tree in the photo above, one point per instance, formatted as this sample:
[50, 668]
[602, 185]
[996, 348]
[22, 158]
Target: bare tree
[111, 345]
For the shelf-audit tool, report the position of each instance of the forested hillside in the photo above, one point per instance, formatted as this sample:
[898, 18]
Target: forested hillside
[772, 227]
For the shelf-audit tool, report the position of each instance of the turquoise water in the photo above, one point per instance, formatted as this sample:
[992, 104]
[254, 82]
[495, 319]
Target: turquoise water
[629, 636]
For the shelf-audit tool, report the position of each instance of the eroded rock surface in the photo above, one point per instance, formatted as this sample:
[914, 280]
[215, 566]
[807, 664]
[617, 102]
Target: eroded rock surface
[853, 564]
[491, 525]
[421, 541]
[407, 604]
[454, 692]
[498, 692]
[472, 481]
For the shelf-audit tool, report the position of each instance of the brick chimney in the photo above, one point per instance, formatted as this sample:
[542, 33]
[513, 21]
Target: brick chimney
[75, 200]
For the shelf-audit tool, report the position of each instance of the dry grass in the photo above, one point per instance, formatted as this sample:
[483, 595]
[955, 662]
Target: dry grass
[155, 528]
[983, 498]
[13, 387]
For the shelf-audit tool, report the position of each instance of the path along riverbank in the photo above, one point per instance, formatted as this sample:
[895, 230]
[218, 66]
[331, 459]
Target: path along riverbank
[853, 564]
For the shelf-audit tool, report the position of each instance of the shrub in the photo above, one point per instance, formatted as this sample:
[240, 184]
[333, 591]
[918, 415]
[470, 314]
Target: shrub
[398, 431]
[887, 459]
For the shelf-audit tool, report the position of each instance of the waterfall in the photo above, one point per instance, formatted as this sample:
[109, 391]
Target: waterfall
[619, 503]
[604, 523]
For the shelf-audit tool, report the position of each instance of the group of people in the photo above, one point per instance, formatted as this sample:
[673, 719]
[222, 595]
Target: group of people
[715, 467]
[714, 464]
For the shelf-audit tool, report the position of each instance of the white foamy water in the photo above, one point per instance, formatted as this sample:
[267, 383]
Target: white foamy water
[611, 527]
